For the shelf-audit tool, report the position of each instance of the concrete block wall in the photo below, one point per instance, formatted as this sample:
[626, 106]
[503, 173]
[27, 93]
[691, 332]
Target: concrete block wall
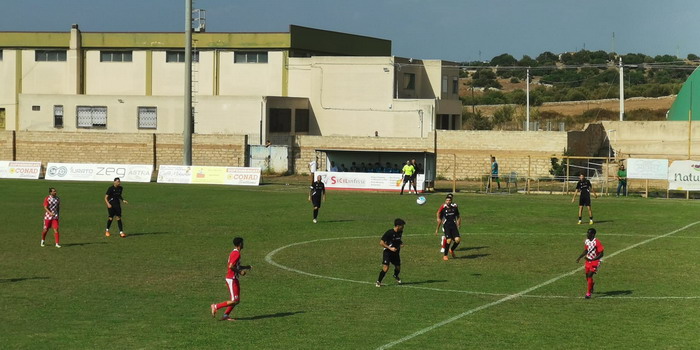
[466, 154]
[6, 145]
[122, 148]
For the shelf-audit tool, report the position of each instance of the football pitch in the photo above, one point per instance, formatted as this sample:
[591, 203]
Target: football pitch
[514, 284]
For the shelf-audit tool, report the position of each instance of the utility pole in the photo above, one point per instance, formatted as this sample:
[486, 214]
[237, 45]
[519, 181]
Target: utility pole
[187, 130]
[527, 98]
[622, 92]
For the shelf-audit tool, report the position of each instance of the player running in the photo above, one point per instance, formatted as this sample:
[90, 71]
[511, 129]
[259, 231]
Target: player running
[233, 273]
[52, 205]
[392, 243]
[448, 216]
[113, 199]
[584, 186]
[593, 251]
[317, 194]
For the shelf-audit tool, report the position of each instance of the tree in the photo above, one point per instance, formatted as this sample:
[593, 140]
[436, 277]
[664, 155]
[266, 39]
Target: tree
[503, 115]
[503, 60]
[547, 59]
[475, 121]
[693, 57]
[527, 61]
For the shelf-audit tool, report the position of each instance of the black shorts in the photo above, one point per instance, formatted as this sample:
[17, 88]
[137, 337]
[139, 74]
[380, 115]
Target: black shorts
[451, 231]
[115, 210]
[316, 201]
[585, 201]
[390, 257]
[407, 178]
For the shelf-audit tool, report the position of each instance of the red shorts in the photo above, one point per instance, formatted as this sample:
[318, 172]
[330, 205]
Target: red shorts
[51, 223]
[234, 289]
[592, 266]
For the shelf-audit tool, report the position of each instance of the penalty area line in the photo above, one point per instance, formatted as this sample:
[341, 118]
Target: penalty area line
[521, 293]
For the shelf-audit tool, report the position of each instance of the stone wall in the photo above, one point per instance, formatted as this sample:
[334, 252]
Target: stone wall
[122, 148]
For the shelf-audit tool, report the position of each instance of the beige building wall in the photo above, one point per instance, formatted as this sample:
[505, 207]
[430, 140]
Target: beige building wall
[8, 92]
[122, 113]
[356, 96]
[115, 78]
[46, 77]
[251, 79]
[168, 78]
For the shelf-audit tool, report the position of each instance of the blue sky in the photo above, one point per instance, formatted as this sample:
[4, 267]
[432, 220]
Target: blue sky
[456, 30]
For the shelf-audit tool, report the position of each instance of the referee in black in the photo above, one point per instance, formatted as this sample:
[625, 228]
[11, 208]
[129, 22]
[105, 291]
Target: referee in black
[317, 194]
[113, 198]
[584, 186]
[392, 243]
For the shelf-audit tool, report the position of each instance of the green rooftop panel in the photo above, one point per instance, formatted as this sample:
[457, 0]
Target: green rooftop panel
[687, 99]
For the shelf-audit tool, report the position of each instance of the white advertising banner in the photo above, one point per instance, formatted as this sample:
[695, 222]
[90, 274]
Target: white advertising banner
[19, 170]
[684, 175]
[648, 169]
[216, 175]
[366, 181]
[99, 172]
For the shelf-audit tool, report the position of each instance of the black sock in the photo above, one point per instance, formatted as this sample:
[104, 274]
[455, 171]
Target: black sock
[119, 223]
[579, 218]
[591, 218]
[382, 273]
[397, 272]
[454, 246]
[109, 223]
[315, 213]
[447, 248]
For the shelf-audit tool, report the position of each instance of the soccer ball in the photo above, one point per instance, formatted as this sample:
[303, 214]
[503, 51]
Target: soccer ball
[421, 200]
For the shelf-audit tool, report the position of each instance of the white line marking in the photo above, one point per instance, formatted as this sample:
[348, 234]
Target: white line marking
[519, 294]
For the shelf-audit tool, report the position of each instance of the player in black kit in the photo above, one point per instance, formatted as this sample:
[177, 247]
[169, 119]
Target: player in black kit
[392, 243]
[317, 193]
[448, 216]
[113, 198]
[584, 186]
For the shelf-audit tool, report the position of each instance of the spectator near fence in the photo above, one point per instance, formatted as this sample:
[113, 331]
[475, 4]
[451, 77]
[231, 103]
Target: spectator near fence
[622, 180]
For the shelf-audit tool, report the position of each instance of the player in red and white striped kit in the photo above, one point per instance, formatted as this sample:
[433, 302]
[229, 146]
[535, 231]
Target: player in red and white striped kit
[52, 205]
[593, 251]
[233, 272]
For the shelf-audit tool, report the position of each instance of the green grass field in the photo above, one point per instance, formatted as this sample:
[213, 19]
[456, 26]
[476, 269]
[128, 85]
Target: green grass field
[514, 284]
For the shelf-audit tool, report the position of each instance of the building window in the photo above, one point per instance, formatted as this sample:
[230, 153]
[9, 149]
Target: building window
[0, 55]
[250, 57]
[57, 116]
[50, 55]
[179, 56]
[301, 120]
[148, 118]
[92, 116]
[280, 120]
[443, 122]
[444, 84]
[115, 56]
[36, 108]
[455, 85]
[409, 81]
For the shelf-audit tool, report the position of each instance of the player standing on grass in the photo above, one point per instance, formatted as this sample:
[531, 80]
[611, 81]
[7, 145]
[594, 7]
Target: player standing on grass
[407, 172]
[52, 205]
[448, 216]
[317, 193]
[584, 186]
[233, 273]
[593, 251]
[392, 243]
[113, 198]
